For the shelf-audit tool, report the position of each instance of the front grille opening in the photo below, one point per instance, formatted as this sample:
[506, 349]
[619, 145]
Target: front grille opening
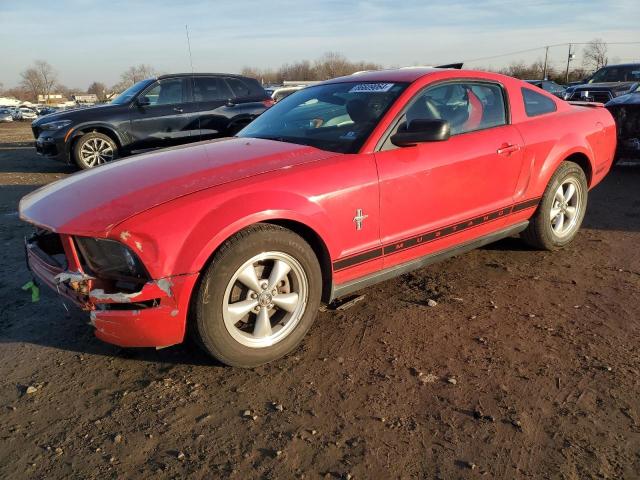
[51, 245]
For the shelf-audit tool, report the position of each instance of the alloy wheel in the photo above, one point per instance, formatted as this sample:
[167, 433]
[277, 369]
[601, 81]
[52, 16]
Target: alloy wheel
[96, 151]
[265, 299]
[566, 207]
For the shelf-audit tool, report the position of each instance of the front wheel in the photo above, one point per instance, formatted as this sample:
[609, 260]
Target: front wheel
[94, 149]
[561, 210]
[258, 297]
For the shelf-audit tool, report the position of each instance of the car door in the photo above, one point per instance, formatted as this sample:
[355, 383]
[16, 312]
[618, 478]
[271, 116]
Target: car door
[165, 116]
[212, 95]
[439, 194]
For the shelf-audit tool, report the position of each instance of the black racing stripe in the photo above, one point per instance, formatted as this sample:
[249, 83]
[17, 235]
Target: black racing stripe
[356, 259]
[526, 204]
[445, 232]
[427, 237]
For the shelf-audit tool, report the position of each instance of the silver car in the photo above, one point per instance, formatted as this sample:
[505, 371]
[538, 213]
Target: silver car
[5, 115]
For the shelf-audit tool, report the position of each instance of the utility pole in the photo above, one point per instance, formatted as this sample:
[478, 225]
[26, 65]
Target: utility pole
[570, 56]
[546, 56]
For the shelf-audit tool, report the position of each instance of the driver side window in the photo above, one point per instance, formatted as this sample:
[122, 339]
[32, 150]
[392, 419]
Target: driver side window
[467, 106]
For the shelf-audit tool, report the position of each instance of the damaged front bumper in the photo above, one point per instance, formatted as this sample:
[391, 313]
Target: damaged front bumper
[149, 314]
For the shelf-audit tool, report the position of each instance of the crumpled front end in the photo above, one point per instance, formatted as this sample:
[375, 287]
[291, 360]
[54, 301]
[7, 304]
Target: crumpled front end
[626, 112]
[129, 310]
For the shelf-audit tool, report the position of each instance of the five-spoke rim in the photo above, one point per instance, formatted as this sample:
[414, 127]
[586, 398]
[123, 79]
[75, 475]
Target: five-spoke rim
[265, 299]
[566, 206]
[96, 151]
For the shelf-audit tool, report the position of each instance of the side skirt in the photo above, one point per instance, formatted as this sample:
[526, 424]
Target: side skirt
[343, 289]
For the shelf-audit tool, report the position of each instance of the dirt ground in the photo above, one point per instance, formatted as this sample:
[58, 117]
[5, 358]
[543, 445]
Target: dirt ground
[527, 368]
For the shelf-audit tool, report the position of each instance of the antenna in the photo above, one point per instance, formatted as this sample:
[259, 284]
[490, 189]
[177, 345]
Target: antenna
[186, 27]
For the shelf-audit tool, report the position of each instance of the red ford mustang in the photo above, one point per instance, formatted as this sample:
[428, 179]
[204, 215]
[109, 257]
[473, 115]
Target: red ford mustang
[336, 187]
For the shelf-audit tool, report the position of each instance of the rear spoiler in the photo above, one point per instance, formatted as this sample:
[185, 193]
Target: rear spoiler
[457, 66]
[587, 104]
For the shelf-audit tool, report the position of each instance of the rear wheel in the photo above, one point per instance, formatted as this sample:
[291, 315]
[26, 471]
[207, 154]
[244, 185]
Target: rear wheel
[94, 149]
[561, 211]
[259, 296]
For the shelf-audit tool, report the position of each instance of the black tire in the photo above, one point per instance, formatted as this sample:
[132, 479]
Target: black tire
[209, 326]
[97, 142]
[541, 233]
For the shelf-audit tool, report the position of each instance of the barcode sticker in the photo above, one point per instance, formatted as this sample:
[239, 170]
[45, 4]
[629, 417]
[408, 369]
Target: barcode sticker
[371, 88]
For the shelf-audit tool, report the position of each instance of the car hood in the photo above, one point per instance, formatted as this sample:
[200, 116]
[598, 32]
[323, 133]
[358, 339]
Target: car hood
[75, 114]
[628, 99]
[91, 203]
[611, 86]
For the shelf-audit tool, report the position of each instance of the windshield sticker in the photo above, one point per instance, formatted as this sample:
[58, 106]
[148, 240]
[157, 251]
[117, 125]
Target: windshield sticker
[371, 88]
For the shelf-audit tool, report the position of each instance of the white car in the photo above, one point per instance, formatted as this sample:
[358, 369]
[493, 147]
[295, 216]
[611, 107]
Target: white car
[5, 115]
[280, 93]
[26, 114]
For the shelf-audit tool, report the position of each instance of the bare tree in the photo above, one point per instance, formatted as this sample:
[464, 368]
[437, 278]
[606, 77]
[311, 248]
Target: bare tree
[595, 54]
[39, 79]
[99, 89]
[330, 65]
[31, 82]
[133, 75]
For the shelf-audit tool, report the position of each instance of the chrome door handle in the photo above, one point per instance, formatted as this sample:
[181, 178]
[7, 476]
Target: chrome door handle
[178, 110]
[508, 149]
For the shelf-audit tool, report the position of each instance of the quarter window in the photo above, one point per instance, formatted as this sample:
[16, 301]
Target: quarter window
[536, 103]
[166, 92]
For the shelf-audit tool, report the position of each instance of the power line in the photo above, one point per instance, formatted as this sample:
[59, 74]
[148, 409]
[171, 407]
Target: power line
[543, 47]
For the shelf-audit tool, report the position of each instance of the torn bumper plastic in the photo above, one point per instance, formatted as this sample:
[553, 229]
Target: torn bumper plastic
[153, 316]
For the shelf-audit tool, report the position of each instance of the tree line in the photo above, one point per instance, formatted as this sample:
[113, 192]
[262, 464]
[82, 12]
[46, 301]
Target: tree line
[41, 79]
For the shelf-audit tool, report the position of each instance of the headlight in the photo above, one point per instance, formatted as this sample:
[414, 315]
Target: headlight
[110, 259]
[55, 125]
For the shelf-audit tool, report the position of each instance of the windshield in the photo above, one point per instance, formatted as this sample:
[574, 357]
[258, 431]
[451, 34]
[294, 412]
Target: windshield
[626, 73]
[129, 93]
[338, 117]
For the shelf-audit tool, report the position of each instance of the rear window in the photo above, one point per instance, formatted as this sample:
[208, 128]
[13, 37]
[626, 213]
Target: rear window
[536, 103]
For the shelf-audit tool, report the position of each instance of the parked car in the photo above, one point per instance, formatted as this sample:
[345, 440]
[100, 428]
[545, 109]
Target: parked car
[605, 84]
[48, 110]
[157, 112]
[283, 92]
[549, 86]
[24, 114]
[626, 112]
[5, 115]
[338, 186]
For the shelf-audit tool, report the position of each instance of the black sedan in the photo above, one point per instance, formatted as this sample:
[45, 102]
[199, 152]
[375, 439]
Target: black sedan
[153, 113]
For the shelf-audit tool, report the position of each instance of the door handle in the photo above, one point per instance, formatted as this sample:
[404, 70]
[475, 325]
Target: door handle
[508, 149]
[178, 110]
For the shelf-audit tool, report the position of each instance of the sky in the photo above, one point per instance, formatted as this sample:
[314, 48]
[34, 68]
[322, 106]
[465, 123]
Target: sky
[87, 40]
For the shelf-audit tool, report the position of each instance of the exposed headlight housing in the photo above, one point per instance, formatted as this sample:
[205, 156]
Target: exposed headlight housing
[111, 259]
[57, 125]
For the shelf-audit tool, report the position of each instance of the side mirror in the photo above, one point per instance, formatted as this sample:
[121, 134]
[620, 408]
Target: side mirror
[143, 101]
[420, 131]
[231, 102]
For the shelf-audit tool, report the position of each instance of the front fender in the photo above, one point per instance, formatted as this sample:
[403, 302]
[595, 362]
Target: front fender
[179, 237]
[82, 128]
